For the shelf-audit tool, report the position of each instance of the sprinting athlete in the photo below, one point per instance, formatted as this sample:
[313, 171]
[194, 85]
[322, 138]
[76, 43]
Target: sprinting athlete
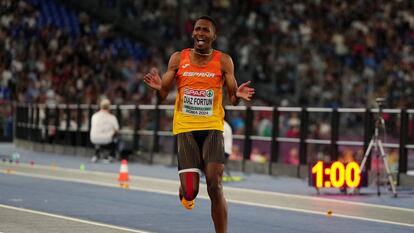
[200, 74]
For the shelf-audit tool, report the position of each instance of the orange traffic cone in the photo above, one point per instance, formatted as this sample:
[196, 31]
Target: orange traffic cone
[123, 173]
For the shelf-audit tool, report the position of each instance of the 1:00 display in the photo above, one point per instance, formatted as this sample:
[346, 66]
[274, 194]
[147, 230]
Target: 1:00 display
[336, 175]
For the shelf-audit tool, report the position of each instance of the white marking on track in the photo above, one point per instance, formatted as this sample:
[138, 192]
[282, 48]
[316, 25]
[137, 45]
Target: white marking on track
[237, 201]
[73, 219]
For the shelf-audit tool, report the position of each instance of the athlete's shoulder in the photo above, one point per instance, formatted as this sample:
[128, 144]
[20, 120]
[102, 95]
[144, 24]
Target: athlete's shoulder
[175, 59]
[175, 55]
[178, 55]
[226, 60]
[225, 57]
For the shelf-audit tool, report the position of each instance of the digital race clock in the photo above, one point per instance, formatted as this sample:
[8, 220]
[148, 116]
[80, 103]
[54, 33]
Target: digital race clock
[336, 175]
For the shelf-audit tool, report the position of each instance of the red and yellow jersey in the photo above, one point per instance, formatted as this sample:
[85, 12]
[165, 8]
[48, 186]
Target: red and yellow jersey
[198, 104]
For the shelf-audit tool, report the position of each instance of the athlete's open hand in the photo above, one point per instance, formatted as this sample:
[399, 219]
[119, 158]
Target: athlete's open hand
[153, 80]
[244, 91]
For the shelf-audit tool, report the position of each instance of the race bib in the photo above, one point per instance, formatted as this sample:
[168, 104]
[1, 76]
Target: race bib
[198, 102]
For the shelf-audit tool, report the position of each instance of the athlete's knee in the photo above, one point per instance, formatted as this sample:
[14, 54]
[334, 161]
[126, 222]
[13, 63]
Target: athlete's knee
[214, 189]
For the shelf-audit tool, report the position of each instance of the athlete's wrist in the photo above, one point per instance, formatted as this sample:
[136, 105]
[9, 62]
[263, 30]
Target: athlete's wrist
[161, 95]
[237, 99]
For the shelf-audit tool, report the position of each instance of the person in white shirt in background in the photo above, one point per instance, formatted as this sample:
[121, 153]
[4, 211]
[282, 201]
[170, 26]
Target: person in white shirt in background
[104, 131]
[228, 144]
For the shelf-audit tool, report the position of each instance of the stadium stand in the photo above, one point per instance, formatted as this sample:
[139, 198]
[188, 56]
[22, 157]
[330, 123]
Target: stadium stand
[309, 53]
[342, 53]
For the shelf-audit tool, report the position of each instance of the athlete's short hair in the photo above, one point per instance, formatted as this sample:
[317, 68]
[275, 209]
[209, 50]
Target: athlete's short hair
[206, 17]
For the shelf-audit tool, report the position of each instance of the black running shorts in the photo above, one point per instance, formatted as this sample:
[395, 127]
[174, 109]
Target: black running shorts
[197, 148]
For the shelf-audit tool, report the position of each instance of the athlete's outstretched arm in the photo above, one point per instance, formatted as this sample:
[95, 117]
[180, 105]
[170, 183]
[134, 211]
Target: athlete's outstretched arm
[163, 86]
[235, 93]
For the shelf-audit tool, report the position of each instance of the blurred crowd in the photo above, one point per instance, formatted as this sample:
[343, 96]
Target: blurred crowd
[306, 52]
[311, 53]
[48, 65]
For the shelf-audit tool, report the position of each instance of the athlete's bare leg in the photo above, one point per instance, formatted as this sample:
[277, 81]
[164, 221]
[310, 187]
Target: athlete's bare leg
[214, 176]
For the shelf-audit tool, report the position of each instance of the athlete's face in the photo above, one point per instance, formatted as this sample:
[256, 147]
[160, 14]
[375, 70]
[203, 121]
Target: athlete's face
[204, 35]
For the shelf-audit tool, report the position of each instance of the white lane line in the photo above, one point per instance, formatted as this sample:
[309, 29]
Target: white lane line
[73, 219]
[227, 188]
[322, 213]
[290, 195]
[322, 199]
[228, 200]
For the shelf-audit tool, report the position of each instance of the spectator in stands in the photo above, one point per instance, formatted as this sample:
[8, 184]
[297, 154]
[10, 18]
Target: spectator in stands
[299, 48]
[294, 124]
[392, 159]
[293, 156]
[104, 131]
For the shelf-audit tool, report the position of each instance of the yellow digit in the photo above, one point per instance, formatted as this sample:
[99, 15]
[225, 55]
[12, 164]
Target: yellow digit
[337, 180]
[352, 167]
[317, 168]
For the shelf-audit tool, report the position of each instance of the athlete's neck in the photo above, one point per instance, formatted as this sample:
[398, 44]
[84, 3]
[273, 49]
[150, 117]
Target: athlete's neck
[202, 53]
